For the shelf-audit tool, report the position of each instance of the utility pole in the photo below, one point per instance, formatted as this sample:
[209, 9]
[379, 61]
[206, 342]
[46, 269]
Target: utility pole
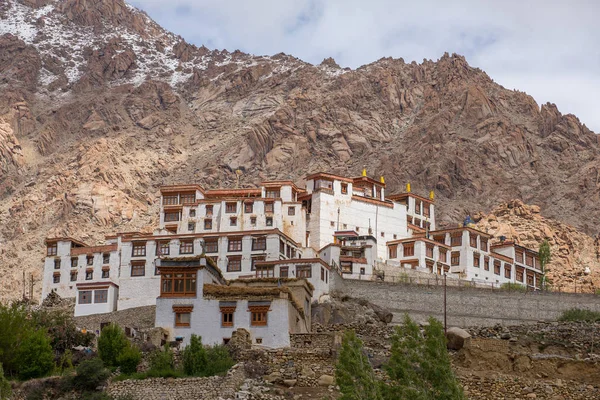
[445, 316]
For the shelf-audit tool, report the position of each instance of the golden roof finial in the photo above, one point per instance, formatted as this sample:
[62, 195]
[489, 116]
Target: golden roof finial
[431, 195]
[381, 179]
[408, 187]
[364, 172]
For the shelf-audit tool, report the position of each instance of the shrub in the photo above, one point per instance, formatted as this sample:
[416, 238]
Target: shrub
[90, 375]
[129, 359]
[15, 326]
[35, 356]
[219, 360]
[194, 357]
[162, 362]
[515, 287]
[578, 314]
[5, 390]
[111, 343]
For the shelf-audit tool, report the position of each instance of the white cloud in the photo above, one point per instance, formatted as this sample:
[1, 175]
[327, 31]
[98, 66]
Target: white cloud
[547, 48]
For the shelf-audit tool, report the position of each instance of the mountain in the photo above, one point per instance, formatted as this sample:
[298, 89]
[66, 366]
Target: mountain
[99, 106]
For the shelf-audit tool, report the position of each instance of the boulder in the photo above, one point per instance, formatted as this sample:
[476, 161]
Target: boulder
[326, 380]
[456, 338]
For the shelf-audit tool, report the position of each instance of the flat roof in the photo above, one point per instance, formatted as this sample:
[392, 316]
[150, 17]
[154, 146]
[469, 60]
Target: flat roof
[180, 187]
[419, 239]
[400, 196]
[367, 179]
[64, 239]
[328, 176]
[460, 228]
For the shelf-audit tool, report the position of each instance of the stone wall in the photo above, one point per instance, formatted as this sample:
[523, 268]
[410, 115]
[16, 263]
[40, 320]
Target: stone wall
[211, 388]
[466, 306]
[323, 341]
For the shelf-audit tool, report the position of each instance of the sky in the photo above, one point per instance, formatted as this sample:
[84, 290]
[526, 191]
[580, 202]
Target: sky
[549, 49]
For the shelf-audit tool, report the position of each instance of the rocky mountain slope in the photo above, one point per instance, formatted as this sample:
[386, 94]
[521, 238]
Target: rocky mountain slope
[99, 106]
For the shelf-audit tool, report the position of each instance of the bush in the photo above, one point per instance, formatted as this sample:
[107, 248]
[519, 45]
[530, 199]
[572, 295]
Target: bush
[194, 357]
[162, 362]
[15, 326]
[111, 343]
[219, 360]
[577, 314]
[129, 359]
[35, 356]
[5, 390]
[90, 375]
[515, 287]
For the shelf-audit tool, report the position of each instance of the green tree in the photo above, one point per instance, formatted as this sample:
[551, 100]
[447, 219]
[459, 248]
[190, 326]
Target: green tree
[36, 358]
[129, 359]
[5, 390]
[353, 373]
[545, 258]
[111, 343]
[219, 360]
[90, 374]
[194, 357]
[15, 327]
[162, 362]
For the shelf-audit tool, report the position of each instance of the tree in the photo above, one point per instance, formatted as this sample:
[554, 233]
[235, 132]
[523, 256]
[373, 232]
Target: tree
[219, 360]
[545, 258]
[5, 389]
[36, 358]
[15, 327]
[129, 359]
[111, 343]
[194, 357]
[353, 373]
[90, 374]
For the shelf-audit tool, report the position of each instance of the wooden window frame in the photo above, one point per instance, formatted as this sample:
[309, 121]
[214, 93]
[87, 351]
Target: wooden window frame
[170, 200]
[456, 240]
[519, 257]
[281, 271]
[138, 266]
[73, 274]
[232, 221]
[273, 193]
[455, 258]
[486, 263]
[497, 267]
[393, 251]
[187, 281]
[417, 207]
[269, 207]
[304, 271]
[429, 250]
[253, 221]
[192, 213]
[89, 260]
[81, 295]
[408, 249]
[89, 275]
[473, 240]
[234, 260]
[186, 247]
[291, 210]
[227, 316]
[57, 263]
[172, 216]
[105, 273]
[527, 258]
[232, 244]
[102, 295]
[106, 258]
[231, 207]
[191, 226]
[265, 271]
[138, 249]
[483, 244]
[74, 262]
[249, 207]
[56, 278]
[187, 198]
[52, 250]
[443, 255]
[507, 268]
[256, 259]
[344, 188]
[179, 311]
[268, 221]
[208, 222]
[476, 260]
[209, 210]
[161, 246]
[259, 243]
[259, 315]
[211, 242]
[426, 210]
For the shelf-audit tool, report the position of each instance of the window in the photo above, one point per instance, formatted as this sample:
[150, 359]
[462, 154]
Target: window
[138, 268]
[443, 255]
[357, 229]
[211, 245]
[344, 188]
[332, 224]
[73, 276]
[455, 258]
[101, 296]
[497, 267]
[52, 249]
[233, 221]
[188, 198]
[269, 207]
[272, 194]
[106, 258]
[227, 316]
[483, 244]
[207, 224]
[89, 275]
[429, 250]
[249, 208]
[85, 297]
[269, 221]
[172, 216]
[507, 270]
[486, 263]
[426, 210]
[476, 260]
[382, 234]
[473, 240]
[440, 239]
[265, 272]
[209, 210]
[191, 226]
[259, 243]
[183, 315]
[89, 260]
[530, 280]
[291, 210]
[56, 278]
[192, 213]
[393, 251]
[230, 208]
[234, 264]
[303, 271]
[186, 247]
[417, 207]
[74, 262]
[139, 249]
[256, 259]
[178, 284]
[281, 246]
[323, 274]
[409, 249]
[105, 273]
[57, 263]
[529, 260]
[456, 239]
[170, 200]
[235, 244]
[519, 275]
[258, 315]
[519, 257]
[362, 271]
[253, 221]
[163, 249]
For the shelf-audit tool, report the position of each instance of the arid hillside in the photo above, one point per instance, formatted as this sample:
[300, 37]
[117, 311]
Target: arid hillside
[99, 106]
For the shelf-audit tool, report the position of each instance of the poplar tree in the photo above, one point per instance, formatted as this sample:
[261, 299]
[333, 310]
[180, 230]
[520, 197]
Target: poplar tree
[353, 372]
[545, 258]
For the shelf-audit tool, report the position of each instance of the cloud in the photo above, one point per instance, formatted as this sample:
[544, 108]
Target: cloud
[547, 48]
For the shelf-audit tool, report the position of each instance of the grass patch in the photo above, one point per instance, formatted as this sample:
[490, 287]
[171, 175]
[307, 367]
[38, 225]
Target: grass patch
[578, 314]
[513, 287]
